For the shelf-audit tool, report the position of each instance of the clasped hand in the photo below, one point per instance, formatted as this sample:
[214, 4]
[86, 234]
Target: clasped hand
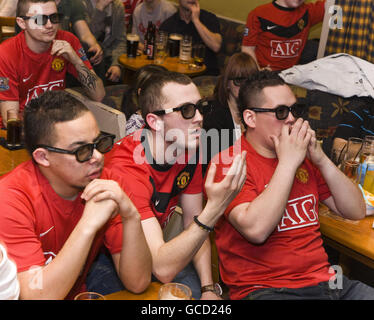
[100, 190]
[297, 141]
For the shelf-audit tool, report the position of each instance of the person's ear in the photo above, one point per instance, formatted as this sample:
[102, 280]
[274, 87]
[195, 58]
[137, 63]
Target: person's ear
[249, 118]
[41, 157]
[154, 122]
[21, 23]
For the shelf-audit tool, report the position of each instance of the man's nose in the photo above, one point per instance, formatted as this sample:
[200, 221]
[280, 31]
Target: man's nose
[97, 156]
[198, 116]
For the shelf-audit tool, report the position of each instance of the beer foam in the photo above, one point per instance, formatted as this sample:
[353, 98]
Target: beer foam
[132, 37]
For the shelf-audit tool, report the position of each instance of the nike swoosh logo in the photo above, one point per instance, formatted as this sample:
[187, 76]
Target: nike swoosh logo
[270, 27]
[157, 202]
[44, 233]
[28, 78]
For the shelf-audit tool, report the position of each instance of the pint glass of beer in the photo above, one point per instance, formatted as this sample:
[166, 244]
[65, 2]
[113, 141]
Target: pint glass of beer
[185, 49]
[14, 129]
[174, 43]
[132, 44]
[174, 291]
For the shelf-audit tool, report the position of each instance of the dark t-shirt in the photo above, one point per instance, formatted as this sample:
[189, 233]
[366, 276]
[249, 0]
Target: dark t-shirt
[175, 24]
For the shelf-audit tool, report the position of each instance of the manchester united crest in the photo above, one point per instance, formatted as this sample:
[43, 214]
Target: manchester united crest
[302, 175]
[301, 24]
[183, 179]
[58, 64]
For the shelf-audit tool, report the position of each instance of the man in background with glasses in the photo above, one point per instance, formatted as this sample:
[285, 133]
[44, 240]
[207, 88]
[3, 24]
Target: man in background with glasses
[39, 57]
[61, 207]
[161, 165]
[268, 240]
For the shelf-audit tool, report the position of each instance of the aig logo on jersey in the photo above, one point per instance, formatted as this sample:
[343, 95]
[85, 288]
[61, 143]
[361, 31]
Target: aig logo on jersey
[183, 179]
[285, 49]
[299, 213]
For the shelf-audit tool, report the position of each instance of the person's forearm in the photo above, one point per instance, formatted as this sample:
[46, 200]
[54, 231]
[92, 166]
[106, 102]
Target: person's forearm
[347, 196]
[203, 263]
[135, 266]
[90, 81]
[175, 254]
[55, 280]
[212, 40]
[258, 220]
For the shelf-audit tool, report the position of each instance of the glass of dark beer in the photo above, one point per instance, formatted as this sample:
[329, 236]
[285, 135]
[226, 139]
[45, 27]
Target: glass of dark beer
[132, 44]
[174, 43]
[14, 129]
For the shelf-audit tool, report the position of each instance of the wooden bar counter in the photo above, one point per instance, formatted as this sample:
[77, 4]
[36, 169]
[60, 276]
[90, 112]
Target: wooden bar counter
[354, 239]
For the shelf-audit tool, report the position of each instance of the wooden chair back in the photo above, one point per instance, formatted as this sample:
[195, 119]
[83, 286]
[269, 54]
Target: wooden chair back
[7, 27]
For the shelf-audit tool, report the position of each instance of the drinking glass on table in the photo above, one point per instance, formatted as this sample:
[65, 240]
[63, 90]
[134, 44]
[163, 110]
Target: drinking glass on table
[174, 291]
[89, 296]
[366, 156]
[351, 158]
[199, 54]
[132, 42]
[161, 47]
[185, 49]
[174, 44]
[14, 129]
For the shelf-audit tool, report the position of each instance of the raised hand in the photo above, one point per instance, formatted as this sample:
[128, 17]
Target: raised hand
[291, 146]
[223, 192]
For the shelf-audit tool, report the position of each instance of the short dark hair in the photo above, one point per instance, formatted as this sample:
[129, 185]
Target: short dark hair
[42, 113]
[151, 97]
[23, 6]
[250, 93]
[130, 100]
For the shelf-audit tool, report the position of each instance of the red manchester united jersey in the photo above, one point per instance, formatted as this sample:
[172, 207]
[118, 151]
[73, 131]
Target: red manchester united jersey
[154, 188]
[279, 34]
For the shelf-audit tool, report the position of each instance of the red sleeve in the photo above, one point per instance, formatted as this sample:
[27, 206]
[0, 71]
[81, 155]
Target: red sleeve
[17, 230]
[9, 85]
[137, 189]
[251, 30]
[316, 12]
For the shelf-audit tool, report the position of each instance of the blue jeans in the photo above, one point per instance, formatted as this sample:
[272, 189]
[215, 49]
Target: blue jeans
[350, 290]
[103, 277]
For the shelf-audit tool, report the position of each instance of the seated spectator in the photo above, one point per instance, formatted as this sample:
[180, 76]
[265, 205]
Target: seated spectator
[8, 8]
[107, 23]
[9, 286]
[129, 7]
[358, 122]
[164, 172]
[38, 58]
[276, 33]
[224, 112]
[268, 240]
[202, 25]
[130, 102]
[60, 208]
[74, 21]
[156, 11]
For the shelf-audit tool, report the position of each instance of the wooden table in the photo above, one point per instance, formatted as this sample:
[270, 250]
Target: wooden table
[170, 63]
[353, 239]
[150, 294]
[10, 159]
